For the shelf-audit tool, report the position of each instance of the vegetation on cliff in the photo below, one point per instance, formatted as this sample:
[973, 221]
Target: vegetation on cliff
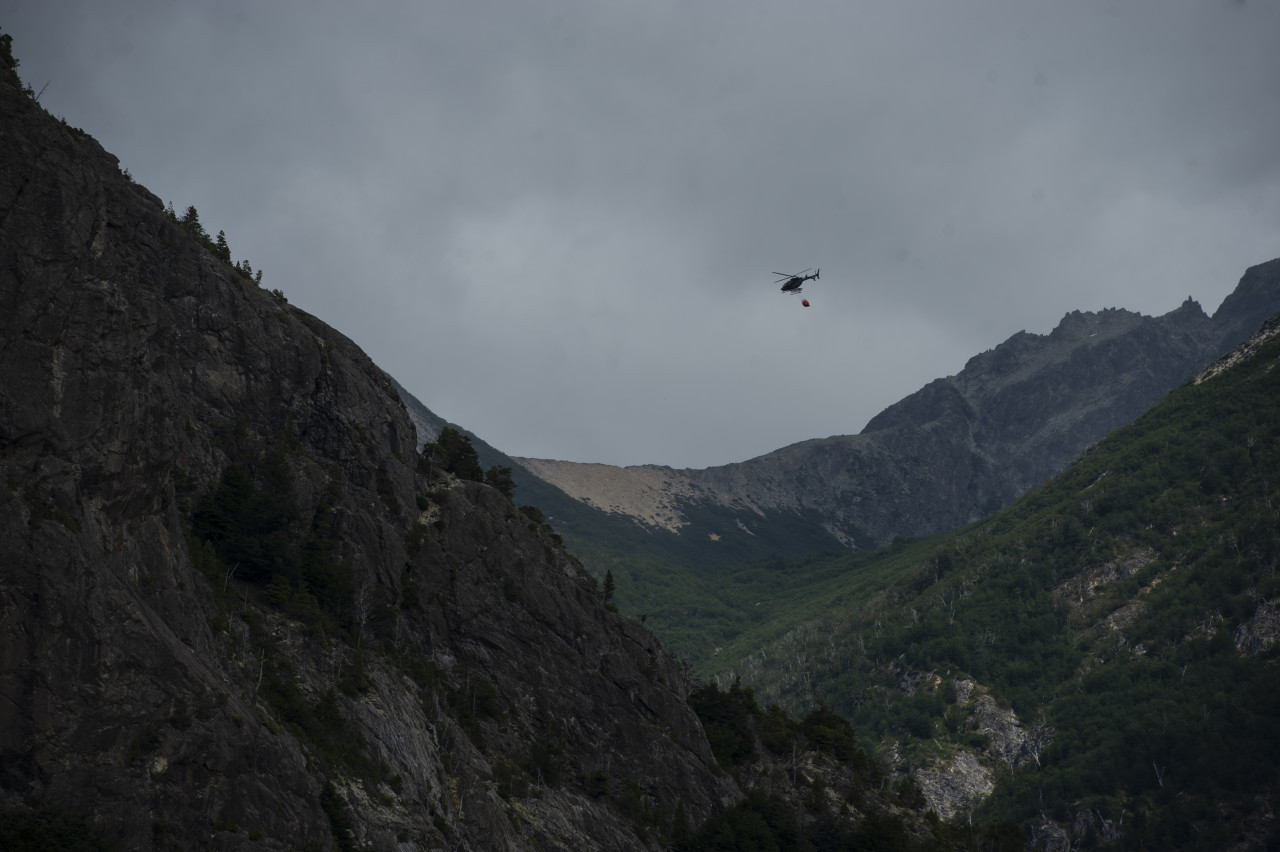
[1123, 615]
[810, 787]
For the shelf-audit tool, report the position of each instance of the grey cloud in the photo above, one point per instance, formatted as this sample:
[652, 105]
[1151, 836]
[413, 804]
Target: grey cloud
[556, 222]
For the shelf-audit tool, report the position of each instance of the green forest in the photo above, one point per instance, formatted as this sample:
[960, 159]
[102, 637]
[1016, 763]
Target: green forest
[1105, 609]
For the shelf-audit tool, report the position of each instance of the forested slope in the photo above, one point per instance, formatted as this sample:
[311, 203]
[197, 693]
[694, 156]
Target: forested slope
[1106, 647]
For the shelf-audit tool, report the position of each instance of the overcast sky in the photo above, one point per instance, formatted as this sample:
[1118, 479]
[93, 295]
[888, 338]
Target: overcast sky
[557, 223]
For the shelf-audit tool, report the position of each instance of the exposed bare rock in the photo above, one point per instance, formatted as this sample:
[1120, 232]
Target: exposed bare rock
[1085, 585]
[1260, 633]
[648, 493]
[1243, 352]
[1011, 741]
[1050, 837]
[957, 786]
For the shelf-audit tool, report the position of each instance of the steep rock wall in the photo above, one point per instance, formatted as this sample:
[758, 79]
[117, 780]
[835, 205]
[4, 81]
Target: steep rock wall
[169, 699]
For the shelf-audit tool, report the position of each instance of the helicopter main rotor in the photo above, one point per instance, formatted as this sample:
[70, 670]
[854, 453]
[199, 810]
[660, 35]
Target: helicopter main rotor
[786, 275]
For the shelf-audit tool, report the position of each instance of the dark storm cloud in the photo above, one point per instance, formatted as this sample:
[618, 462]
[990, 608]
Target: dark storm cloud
[556, 222]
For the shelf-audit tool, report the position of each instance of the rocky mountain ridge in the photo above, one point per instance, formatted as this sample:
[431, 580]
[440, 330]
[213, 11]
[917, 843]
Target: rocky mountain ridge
[235, 611]
[958, 449]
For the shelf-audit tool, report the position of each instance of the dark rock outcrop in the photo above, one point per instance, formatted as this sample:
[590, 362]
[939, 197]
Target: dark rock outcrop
[426, 666]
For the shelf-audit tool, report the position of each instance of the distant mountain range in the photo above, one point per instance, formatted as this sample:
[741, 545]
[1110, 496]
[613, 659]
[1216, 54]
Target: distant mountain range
[954, 451]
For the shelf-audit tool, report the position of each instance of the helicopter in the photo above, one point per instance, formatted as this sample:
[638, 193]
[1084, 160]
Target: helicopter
[793, 282]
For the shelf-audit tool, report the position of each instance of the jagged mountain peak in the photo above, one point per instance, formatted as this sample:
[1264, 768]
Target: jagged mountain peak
[959, 448]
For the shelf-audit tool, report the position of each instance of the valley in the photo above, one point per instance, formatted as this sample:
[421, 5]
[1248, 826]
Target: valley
[255, 594]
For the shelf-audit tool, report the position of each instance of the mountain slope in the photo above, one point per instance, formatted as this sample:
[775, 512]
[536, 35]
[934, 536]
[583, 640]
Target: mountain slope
[236, 614]
[1098, 661]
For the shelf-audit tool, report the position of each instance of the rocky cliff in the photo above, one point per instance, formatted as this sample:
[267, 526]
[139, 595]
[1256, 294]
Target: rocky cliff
[958, 449]
[234, 611]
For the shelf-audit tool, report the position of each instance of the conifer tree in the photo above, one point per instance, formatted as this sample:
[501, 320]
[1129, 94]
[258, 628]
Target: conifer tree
[501, 479]
[191, 222]
[223, 250]
[455, 454]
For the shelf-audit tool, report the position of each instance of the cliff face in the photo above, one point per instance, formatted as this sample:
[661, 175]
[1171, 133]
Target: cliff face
[961, 447]
[233, 612]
